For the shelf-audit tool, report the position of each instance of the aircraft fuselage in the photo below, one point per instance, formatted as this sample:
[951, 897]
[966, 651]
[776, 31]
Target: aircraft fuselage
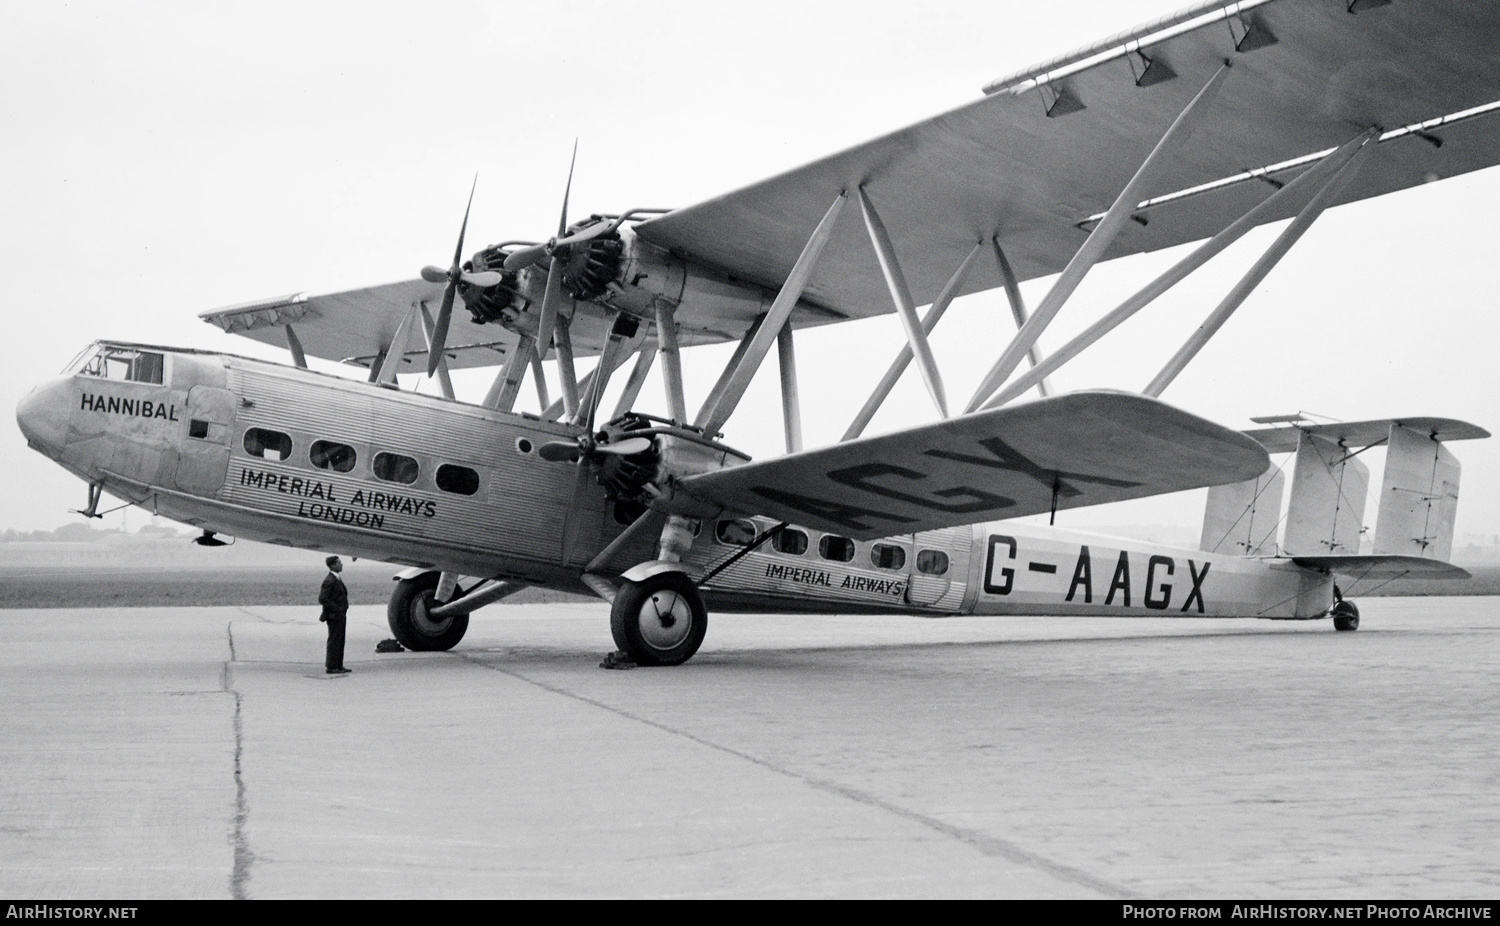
[294, 457]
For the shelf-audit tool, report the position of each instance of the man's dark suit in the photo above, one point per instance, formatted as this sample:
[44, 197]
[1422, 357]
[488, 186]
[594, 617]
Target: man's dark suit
[334, 598]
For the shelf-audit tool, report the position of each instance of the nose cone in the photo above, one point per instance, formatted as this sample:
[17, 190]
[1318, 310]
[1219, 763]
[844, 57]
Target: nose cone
[43, 415]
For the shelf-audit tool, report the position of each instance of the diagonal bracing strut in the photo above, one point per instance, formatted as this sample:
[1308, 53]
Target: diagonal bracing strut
[1313, 176]
[715, 412]
[1278, 249]
[1098, 241]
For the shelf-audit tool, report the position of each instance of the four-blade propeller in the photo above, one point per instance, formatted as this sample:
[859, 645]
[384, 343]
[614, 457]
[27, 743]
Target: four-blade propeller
[453, 276]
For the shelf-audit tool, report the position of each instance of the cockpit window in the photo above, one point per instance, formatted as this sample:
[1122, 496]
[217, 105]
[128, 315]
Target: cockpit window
[123, 364]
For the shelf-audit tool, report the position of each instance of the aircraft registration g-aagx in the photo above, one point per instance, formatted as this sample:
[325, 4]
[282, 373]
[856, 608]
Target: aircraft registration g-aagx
[1135, 143]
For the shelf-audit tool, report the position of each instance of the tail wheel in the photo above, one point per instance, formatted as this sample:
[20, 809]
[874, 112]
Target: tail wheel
[1345, 615]
[412, 625]
[659, 621]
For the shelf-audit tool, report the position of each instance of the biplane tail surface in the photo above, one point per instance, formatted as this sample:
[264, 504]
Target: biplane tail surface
[1325, 513]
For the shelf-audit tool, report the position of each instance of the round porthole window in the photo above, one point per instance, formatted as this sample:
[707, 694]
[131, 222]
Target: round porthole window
[523, 445]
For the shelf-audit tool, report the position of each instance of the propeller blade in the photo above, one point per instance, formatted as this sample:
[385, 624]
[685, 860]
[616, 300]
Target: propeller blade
[587, 234]
[550, 299]
[519, 260]
[627, 447]
[440, 330]
[458, 252]
[560, 451]
[562, 222]
[445, 314]
[572, 521]
[483, 279]
[434, 274]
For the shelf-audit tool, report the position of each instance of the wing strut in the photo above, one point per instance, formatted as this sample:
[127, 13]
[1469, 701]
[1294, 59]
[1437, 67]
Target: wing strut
[903, 359]
[643, 362]
[671, 361]
[1283, 243]
[1098, 241]
[395, 352]
[734, 362]
[507, 384]
[712, 417]
[567, 375]
[1205, 252]
[445, 382]
[1018, 309]
[895, 280]
[295, 346]
[791, 408]
[539, 374]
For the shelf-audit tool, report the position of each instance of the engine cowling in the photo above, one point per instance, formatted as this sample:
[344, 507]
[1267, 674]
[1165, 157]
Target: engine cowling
[590, 266]
[492, 303]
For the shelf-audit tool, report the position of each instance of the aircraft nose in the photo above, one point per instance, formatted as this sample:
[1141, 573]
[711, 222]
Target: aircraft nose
[42, 415]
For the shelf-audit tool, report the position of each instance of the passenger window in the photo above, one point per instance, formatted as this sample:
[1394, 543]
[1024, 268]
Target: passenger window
[838, 549]
[790, 541]
[460, 480]
[198, 429]
[267, 444]
[932, 562]
[735, 533]
[393, 467]
[887, 556]
[327, 454]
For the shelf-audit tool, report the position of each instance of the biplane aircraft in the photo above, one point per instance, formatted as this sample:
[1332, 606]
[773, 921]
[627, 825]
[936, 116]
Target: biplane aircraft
[1196, 127]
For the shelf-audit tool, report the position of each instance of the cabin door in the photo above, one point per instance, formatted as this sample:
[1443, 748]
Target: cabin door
[203, 459]
[938, 567]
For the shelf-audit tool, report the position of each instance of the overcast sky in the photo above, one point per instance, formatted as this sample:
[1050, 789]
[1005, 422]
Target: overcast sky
[164, 159]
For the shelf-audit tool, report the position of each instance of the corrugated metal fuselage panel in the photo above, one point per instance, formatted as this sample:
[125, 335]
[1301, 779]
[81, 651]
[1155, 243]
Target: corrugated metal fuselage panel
[818, 578]
[516, 516]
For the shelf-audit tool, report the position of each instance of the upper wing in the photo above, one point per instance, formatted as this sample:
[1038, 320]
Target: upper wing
[1002, 166]
[1084, 448]
[356, 325]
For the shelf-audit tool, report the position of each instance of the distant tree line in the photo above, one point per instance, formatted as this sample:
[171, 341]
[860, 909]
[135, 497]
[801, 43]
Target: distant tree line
[87, 533]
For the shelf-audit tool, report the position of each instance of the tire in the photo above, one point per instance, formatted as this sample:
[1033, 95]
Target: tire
[659, 621]
[1345, 615]
[407, 615]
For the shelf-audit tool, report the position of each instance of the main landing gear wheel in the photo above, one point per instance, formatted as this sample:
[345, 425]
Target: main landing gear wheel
[659, 621]
[412, 626]
[1345, 615]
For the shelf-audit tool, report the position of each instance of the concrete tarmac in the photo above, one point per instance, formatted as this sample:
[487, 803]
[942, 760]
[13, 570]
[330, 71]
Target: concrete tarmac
[202, 753]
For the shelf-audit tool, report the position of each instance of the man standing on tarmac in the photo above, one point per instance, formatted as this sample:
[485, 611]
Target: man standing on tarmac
[334, 598]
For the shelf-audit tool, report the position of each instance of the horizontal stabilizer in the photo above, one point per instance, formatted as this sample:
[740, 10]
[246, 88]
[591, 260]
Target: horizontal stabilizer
[1356, 434]
[1377, 566]
[1071, 451]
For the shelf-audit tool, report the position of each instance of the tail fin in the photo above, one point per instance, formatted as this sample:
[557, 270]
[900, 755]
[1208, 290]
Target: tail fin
[1241, 518]
[1418, 495]
[1326, 514]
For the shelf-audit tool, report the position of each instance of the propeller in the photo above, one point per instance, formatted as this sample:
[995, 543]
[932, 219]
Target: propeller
[536, 253]
[553, 293]
[453, 276]
[482, 279]
[563, 451]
